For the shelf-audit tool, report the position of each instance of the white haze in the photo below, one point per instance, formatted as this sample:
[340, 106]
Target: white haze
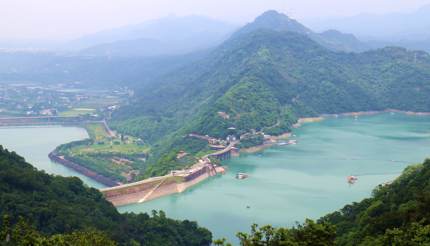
[66, 20]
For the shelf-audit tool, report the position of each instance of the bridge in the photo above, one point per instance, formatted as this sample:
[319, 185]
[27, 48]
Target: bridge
[224, 154]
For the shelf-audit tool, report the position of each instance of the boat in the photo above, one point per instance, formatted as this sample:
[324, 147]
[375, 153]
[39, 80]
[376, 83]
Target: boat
[242, 175]
[290, 142]
[351, 179]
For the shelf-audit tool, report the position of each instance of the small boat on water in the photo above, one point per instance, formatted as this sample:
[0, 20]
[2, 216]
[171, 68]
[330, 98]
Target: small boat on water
[290, 142]
[351, 179]
[242, 175]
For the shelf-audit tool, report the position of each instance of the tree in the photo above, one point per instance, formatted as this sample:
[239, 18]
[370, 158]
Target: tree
[308, 234]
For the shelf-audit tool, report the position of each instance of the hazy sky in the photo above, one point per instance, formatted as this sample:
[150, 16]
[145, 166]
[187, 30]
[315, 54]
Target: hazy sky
[66, 19]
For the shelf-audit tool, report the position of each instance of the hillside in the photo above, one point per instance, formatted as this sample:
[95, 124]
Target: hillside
[396, 214]
[57, 205]
[263, 80]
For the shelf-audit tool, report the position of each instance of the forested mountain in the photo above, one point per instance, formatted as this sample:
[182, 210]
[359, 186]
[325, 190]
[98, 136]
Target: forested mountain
[263, 80]
[57, 205]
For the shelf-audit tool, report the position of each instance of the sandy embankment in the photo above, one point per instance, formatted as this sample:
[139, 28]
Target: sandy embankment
[153, 189]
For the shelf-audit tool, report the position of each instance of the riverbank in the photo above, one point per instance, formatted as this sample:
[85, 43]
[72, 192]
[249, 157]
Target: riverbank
[53, 156]
[274, 139]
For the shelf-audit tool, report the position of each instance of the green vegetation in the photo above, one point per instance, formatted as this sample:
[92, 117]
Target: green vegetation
[172, 145]
[251, 140]
[23, 234]
[96, 131]
[308, 234]
[58, 208]
[397, 214]
[121, 158]
[77, 112]
[263, 81]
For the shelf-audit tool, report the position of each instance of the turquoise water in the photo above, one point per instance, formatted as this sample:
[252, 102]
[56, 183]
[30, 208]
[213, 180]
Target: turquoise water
[286, 183]
[35, 143]
[307, 180]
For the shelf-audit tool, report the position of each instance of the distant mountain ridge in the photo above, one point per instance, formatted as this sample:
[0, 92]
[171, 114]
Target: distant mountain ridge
[170, 35]
[409, 30]
[414, 25]
[180, 35]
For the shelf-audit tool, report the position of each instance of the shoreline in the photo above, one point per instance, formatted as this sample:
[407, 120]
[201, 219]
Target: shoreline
[54, 157]
[182, 186]
[269, 143]
[305, 120]
[157, 187]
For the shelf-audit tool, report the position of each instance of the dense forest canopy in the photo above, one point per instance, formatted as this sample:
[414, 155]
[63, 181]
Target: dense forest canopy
[52, 205]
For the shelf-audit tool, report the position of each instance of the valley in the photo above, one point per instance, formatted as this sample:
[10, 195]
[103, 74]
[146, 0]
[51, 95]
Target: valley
[308, 178]
[127, 135]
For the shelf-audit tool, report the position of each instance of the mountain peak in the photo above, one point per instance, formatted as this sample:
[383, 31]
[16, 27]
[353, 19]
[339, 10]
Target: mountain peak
[276, 21]
[273, 14]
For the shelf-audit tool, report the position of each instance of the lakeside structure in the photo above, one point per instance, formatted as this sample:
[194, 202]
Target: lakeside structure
[176, 182]
[156, 187]
[180, 180]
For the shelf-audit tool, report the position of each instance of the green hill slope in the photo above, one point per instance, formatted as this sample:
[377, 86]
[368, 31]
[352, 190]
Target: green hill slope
[268, 78]
[264, 80]
[54, 205]
[397, 214]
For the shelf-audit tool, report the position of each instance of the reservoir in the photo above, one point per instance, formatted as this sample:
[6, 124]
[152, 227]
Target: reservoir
[286, 184]
[36, 142]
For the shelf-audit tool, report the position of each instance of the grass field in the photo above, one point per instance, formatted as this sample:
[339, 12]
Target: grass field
[108, 148]
[120, 157]
[77, 111]
[99, 102]
[97, 132]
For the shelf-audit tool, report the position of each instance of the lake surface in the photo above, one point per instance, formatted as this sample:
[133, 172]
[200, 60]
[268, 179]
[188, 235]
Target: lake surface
[286, 183]
[35, 143]
[307, 180]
